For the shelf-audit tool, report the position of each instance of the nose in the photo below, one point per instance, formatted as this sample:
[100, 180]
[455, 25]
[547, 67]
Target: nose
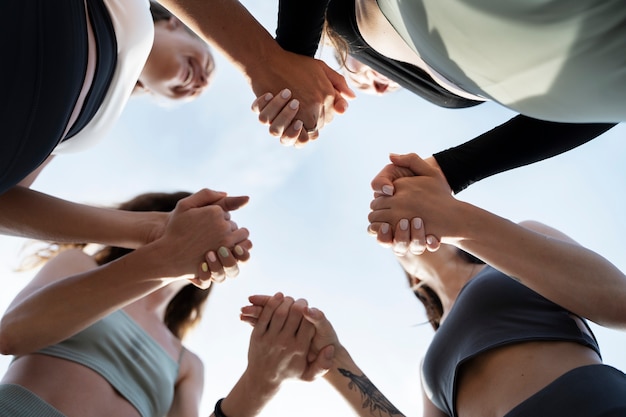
[380, 88]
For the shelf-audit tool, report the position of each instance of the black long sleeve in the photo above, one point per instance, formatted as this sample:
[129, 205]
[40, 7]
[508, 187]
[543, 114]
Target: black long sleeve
[300, 25]
[518, 142]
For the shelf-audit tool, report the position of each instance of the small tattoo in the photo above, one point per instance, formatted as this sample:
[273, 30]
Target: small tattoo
[372, 398]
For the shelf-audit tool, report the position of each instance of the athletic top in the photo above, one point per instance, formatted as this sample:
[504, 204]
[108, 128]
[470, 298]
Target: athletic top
[46, 44]
[521, 141]
[134, 32]
[118, 349]
[492, 310]
[548, 59]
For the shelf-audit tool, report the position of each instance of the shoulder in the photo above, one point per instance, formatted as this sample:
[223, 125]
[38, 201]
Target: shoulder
[191, 366]
[546, 230]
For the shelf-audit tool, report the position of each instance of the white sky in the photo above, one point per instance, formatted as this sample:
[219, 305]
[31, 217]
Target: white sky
[308, 217]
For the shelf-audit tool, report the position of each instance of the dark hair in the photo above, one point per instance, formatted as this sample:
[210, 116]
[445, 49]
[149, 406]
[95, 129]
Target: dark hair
[430, 299]
[159, 12]
[184, 311]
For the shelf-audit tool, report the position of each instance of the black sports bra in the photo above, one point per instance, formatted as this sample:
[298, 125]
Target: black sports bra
[492, 310]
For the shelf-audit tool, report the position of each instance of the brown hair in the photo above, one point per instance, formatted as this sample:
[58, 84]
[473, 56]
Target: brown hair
[430, 299]
[184, 310]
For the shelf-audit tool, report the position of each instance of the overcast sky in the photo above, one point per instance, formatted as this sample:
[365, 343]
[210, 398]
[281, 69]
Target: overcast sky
[308, 216]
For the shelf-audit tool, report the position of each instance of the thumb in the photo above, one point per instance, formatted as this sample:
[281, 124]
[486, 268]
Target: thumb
[339, 82]
[233, 203]
[411, 161]
[322, 364]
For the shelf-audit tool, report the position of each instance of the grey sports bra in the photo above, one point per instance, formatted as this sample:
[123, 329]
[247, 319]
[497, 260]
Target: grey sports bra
[492, 310]
[118, 349]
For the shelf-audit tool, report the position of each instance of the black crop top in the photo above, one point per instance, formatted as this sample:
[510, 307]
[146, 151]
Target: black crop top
[492, 310]
[521, 141]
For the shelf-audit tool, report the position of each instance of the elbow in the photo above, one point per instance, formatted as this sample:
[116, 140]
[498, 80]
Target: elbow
[9, 339]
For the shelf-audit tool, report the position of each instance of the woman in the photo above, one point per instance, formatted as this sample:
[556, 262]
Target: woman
[108, 350]
[509, 303]
[521, 141]
[98, 54]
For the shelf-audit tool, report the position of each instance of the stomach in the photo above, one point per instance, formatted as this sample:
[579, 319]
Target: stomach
[71, 388]
[493, 383]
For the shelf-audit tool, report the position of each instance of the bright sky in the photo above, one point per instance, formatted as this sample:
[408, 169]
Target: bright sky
[308, 216]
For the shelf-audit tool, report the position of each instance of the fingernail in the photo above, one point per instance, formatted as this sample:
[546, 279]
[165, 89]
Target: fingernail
[212, 257]
[384, 228]
[205, 267]
[294, 104]
[285, 93]
[430, 240]
[404, 224]
[268, 96]
[388, 189]
[297, 125]
[417, 223]
[239, 250]
[223, 252]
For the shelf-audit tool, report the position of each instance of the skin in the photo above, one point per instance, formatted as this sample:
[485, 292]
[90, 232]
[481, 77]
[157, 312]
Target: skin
[320, 90]
[278, 346]
[366, 79]
[180, 65]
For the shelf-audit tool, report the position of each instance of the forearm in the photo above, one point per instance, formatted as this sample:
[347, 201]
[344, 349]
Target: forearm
[520, 141]
[28, 213]
[54, 312]
[231, 28]
[356, 388]
[570, 275]
[248, 397]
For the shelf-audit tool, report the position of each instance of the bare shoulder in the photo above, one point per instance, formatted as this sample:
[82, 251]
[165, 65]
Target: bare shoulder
[546, 230]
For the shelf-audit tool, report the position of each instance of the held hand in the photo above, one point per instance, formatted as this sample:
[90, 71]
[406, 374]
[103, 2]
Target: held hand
[279, 342]
[426, 196]
[409, 237]
[321, 92]
[194, 227]
[321, 353]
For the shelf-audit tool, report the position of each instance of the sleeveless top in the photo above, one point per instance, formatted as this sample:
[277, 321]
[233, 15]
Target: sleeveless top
[554, 60]
[492, 310]
[120, 351]
[134, 32]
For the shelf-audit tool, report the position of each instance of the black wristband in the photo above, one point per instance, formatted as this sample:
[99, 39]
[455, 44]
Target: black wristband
[218, 409]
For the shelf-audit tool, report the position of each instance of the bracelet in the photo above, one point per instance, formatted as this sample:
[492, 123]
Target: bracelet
[218, 409]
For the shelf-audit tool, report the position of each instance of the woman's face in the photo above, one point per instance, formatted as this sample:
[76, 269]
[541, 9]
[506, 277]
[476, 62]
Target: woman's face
[180, 65]
[366, 79]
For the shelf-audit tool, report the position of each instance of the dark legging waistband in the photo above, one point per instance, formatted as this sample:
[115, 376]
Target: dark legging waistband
[43, 45]
[588, 391]
[17, 401]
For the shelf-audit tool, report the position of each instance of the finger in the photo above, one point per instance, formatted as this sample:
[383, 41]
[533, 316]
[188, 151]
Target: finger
[274, 107]
[286, 116]
[252, 312]
[413, 162]
[418, 237]
[291, 134]
[260, 102]
[432, 243]
[380, 203]
[204, 197]
[240, 253]
[268, 312]
[250, 320]
[292, 324]
[233, 203]
[372, 228]
[339, 82]
[228, 261]
[401, 237]
[280, 316]
[216, 270]
[385, 236]
[259, 299]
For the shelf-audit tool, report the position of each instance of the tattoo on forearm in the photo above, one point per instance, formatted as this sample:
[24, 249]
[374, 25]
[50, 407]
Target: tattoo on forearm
[372, 398]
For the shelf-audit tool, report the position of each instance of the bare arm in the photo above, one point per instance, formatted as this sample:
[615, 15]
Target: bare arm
[570, 275]
[70, 292]
[229, 26]
[189, 387]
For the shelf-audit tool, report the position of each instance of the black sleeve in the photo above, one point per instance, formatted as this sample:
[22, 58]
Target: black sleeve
[518, 142]
[300, 25]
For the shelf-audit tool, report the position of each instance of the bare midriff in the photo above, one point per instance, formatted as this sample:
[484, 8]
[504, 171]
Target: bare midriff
[494, 382]
[71, 388]
[89, 75]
